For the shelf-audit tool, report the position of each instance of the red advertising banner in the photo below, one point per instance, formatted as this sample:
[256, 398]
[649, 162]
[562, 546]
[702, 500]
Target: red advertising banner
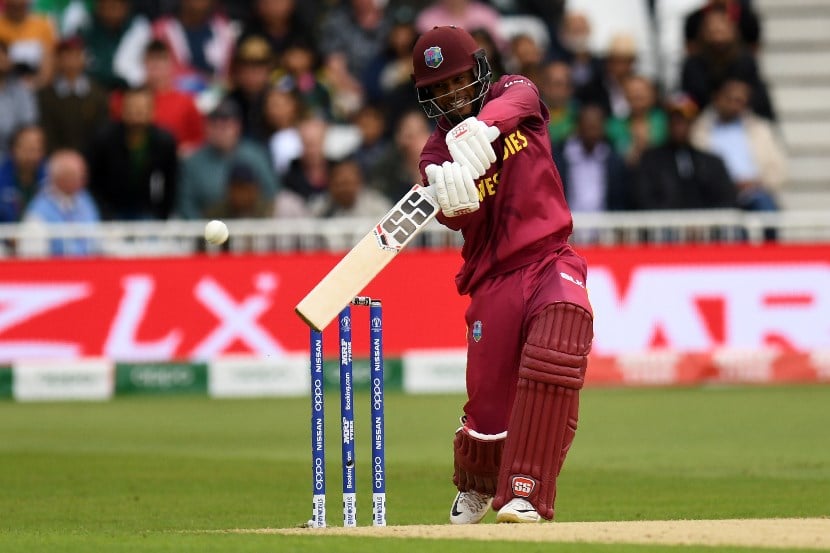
[690, 299]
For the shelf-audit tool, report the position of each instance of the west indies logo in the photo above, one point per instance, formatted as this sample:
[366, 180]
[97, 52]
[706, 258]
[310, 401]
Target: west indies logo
[477, 328]
[433, 57]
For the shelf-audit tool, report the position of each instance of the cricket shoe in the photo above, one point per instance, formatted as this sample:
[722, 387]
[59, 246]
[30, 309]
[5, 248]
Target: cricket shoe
[470, 507]
[518, 510]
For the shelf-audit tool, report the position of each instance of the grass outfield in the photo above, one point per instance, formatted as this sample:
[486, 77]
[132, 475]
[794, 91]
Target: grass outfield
[167, 473]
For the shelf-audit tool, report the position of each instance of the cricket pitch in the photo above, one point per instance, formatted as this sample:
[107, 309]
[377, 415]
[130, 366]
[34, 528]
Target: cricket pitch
[805, 533]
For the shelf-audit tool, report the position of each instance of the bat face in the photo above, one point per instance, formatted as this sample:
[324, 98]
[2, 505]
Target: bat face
[368, 258]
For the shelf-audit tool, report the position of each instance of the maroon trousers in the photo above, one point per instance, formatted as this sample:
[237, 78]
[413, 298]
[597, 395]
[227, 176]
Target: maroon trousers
[498, 318]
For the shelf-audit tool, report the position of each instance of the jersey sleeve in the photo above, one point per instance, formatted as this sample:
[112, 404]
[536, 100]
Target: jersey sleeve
[514, 100]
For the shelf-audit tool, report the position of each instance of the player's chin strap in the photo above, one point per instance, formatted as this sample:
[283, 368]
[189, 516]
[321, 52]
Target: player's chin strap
[477, 460]
[545, 411]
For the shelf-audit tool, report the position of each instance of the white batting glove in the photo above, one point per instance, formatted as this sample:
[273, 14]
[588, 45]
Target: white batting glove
[454, 188]
[469, 145]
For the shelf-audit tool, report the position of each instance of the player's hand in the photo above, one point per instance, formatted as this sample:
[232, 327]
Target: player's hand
[469, 145]
[455, 189]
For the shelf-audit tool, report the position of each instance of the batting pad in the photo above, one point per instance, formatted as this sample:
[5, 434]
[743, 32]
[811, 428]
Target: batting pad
[477, 460]
[544, 416]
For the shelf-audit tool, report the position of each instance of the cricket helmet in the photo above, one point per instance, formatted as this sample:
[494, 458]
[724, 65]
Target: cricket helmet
[444, 52]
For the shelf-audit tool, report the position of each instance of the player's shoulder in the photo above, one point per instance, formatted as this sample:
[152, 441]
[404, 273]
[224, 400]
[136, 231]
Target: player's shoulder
[506, 82]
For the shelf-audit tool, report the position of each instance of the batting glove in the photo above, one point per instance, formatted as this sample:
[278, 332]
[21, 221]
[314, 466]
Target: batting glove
[469, 145]
[454, 188]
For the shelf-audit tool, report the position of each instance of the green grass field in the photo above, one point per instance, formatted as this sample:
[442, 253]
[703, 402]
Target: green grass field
[165, 473]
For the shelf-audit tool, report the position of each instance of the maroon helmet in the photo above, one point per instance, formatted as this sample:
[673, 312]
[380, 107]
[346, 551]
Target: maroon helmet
[444, 52]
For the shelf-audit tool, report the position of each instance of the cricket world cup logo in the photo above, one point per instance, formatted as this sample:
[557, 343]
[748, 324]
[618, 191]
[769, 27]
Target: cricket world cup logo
[433, 57]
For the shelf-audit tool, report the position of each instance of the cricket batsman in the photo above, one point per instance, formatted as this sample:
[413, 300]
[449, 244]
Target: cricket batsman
[529, 323]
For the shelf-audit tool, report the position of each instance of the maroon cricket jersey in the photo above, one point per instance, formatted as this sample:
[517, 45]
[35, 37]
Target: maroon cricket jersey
[523, 214]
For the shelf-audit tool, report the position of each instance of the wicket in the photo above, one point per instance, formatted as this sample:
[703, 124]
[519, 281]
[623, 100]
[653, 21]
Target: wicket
[318, 446]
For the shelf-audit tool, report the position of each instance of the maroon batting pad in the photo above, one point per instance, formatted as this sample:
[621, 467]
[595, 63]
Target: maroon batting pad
[543, 420]
[477, 461]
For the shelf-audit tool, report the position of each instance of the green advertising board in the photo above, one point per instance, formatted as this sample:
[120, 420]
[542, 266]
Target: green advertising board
[392, 374]
[160, 378]
[5, 382]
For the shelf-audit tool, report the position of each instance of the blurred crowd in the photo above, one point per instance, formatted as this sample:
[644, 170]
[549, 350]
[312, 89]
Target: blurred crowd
[193, 109]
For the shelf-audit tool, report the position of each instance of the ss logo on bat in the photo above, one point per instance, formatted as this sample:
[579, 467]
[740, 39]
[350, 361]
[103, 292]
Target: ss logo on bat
[411, 213]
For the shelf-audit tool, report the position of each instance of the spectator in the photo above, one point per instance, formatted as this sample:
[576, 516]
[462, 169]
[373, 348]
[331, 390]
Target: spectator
[173, 110]
[299, 70]
[204, 174]
[352, 35]
[677, 175]
[22, 172]
[747, 143]
[646, 124]
[133, 164]
[31, 39]
[740, 13]
[308, 175]
[244, 198]
[357, 29]
[153, 9]
[289, 205]
[607, 91]
[17, 102]
[467, 14]
[722, 57]
[345, 90]
[397, 170]
[594, 176]
[575, 37]
[557, 92]
[549, 12]
[67, 16]
[283, 111]
[280, 22]
[391, 69]
[73, 107]
[63, 199]
[374, 143]
[485, 40]
[239, 11]
[118, 39]
[526, 58]
[347, 194]
[250, 76]
[202, 42]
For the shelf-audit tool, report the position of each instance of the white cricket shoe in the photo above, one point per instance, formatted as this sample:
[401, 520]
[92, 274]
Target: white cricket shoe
[470, 507]
[518, 510]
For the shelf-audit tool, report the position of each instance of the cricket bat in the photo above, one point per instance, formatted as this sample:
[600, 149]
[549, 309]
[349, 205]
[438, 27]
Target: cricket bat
[368, 258]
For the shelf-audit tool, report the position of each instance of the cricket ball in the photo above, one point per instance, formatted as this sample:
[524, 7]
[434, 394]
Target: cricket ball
[216, 232]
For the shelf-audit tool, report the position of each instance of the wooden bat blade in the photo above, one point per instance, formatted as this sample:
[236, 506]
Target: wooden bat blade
[367, 258]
